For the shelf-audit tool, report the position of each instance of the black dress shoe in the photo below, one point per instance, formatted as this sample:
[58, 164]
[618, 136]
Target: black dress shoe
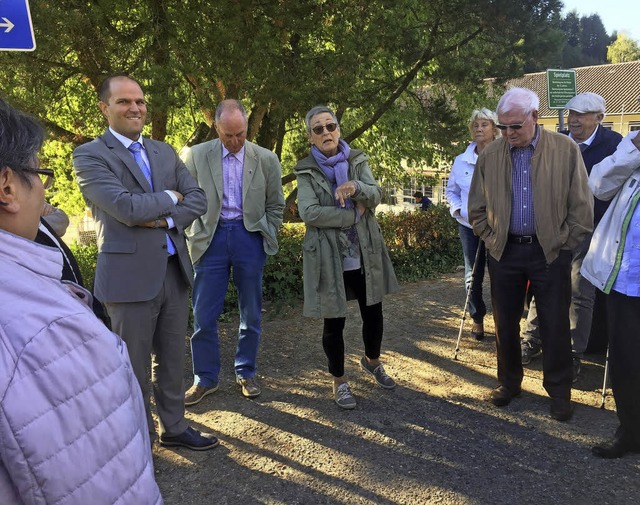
[616, 448]
[502, 396]
[561, 409]
[191, 439]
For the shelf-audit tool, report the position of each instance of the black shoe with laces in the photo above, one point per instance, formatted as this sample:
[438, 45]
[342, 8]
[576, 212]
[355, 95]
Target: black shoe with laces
[191, 439]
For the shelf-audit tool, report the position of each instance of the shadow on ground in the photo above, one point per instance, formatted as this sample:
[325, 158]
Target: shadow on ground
[434, 439]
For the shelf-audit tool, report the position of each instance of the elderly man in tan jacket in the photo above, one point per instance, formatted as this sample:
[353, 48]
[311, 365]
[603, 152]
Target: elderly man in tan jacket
[530, 203]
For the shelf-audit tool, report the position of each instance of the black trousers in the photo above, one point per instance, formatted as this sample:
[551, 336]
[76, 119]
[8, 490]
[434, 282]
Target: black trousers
[372, 326]
[551, 287]
[624, 349]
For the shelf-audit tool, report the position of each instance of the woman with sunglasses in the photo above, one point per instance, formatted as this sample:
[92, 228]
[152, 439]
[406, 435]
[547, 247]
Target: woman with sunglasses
[345, 257]
[482, 126]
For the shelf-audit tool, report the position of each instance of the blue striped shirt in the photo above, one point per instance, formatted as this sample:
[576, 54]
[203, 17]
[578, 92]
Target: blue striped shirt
[522, 214]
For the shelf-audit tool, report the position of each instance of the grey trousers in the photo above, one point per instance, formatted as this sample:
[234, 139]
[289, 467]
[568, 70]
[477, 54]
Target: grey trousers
[158, 327]
[583, 294]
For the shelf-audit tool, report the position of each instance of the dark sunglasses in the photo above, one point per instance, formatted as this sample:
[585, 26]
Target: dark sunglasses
[46, 175]
[512, 126]
[331, 127]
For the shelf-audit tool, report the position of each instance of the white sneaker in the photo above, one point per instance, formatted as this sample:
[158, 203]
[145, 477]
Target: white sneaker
[343, 396]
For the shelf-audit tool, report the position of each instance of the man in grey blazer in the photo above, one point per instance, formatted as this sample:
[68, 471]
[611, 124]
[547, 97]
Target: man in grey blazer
[142, 197]
[245, 205]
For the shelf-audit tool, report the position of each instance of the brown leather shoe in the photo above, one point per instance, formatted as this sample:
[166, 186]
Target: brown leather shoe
[250, 387]
[561, 409]
[502, 396]
[195, 394]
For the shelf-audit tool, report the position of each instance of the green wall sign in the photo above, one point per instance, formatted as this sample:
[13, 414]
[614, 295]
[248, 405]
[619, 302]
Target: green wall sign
[561, 87]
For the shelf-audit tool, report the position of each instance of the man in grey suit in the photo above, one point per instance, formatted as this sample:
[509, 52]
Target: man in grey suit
[245, 205]
[142, 197]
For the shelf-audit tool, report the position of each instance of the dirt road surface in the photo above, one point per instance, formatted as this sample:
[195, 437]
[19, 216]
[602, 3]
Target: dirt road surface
[434, 439]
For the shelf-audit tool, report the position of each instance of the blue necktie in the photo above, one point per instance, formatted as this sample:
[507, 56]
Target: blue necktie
[135, 148]
[583, 146]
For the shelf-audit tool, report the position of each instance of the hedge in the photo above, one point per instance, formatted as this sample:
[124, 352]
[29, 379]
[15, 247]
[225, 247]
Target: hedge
[421, 245]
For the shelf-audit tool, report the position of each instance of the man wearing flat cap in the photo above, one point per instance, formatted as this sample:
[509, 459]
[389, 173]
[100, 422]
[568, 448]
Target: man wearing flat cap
[586, 112]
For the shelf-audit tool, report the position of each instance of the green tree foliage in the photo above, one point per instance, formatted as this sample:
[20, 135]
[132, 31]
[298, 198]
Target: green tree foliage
[586, 40]
[402, 75]
[624, 48]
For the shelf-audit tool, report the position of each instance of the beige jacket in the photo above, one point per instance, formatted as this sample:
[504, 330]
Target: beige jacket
[262, 194]
[562, 201]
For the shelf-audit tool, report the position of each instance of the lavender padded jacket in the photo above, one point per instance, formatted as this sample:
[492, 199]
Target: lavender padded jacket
[72, 423]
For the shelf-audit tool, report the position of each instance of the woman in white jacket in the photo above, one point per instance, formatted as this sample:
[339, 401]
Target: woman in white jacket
[482, 126]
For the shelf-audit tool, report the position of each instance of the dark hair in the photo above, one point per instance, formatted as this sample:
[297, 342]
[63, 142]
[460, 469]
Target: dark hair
[228, 105]
[418, 194]
[21, 137]
[104, 91]
[318, 109]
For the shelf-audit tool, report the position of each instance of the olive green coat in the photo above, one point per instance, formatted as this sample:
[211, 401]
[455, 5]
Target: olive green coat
[324, 290]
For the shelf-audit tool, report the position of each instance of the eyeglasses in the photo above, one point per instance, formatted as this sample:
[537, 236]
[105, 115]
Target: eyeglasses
[331, 127]
[512, 126]
[46, 175]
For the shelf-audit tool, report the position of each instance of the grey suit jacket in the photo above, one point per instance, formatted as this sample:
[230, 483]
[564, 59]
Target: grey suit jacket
[262, 195]
[132, 260]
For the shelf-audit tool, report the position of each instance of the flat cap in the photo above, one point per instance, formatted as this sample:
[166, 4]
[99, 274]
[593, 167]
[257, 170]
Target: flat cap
[586, 102]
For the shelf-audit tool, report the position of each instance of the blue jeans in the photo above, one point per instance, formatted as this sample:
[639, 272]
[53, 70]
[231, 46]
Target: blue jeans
[232, 250]
[470, 242]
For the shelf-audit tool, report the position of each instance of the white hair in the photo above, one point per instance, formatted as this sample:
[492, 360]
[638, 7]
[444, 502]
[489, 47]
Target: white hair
[518, 99]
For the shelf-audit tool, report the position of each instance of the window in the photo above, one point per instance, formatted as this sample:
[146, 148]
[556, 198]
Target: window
[634, 126]
[443, 187]
[608, 126]
[409, 189]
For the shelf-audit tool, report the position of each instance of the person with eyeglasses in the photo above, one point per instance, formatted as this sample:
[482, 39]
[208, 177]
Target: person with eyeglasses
[344, 254]
[530, 204]
[482, 127]
[243, 184]
[73, 426]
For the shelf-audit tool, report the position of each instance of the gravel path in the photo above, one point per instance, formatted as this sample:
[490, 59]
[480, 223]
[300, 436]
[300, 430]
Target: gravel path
[434, 439]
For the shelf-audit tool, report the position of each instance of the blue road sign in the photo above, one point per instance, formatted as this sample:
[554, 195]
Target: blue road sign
[16, 29]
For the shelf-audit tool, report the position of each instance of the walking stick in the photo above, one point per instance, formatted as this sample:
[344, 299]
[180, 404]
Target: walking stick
[606, 378]
[466, 302]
